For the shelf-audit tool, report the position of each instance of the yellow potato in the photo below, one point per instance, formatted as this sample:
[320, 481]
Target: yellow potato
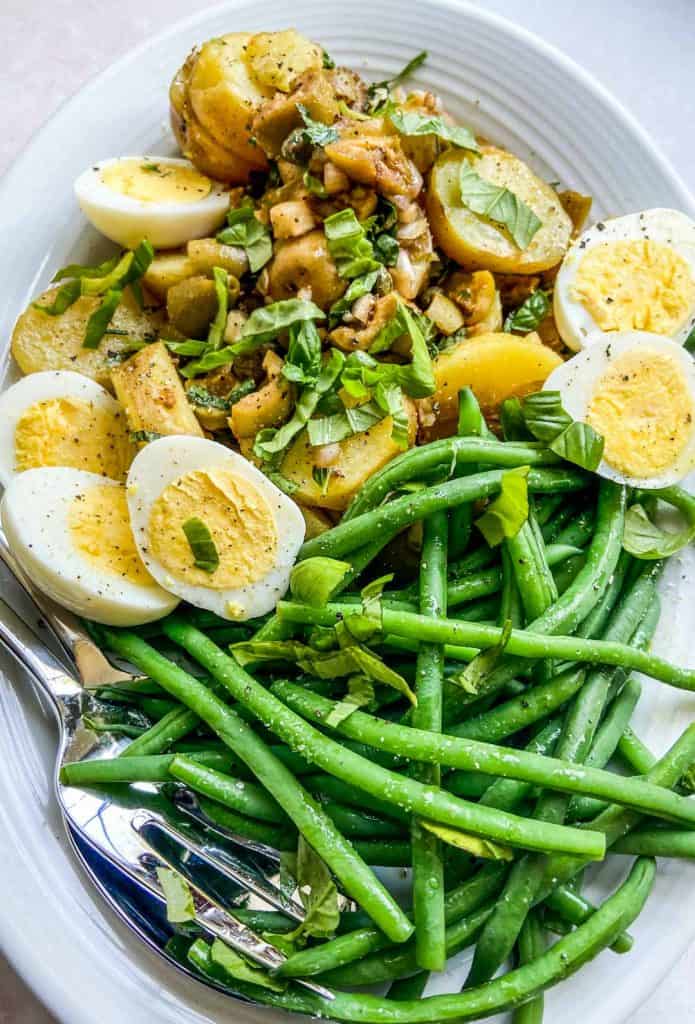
[305, 262]
[42, 342]
[495, 366]
[169, 267]
[276, 59]
[315, 521]
[478, 243]
[360, 457]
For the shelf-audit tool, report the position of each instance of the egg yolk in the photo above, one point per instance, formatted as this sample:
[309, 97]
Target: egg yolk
[643, 408]
[100, 530]
[151, 182]
[635, 285]
[238, 517]
[71, 432]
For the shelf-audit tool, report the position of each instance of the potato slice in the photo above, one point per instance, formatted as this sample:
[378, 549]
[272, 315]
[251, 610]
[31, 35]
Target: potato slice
[169, 267]
[276, 59]
[150, 390]
[495, 366]
[360, 457]
[305, 262]
[478, 243]
[315, 521]
[43, 342]
[223, 95]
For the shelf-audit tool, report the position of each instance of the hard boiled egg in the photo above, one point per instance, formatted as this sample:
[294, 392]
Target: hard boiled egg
[638, 391]
[161, 198]
[181, 484]
[70, 532]
[632, 273]
[60, 418]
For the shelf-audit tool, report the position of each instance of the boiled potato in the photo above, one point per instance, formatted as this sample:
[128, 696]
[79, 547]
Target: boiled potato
[276, 118]
[478, 243]
[315, 521]
[360, 457]
[150, 390]
[496, 366]
[276, 59]
[43, 342]
[169, 267]
[305, 262]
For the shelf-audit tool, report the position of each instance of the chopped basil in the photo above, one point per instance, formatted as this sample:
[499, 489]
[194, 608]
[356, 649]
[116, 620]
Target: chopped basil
[314, 185]
[645, 539]
[267, 322]
[202, 545]
[349, 245]
[321, 475]
[316, 132]
[378, 92]
[360, 694]
[314, 580]
[416, 378]
[189, 347]
[579, 443]
[544, 415]
[209, 360]
[303, 361]
[508, 512]
[474, 675]
[241, 969]
[689, 343]
[101, 318]
[80, 270]
[411, 123]
[513, 423]
[336, 428]
[358, 287]
[327, 61]
[200, 396]
[499, 204]
[66, 295]
[245, 230]
[178, 896]
[529, 314]
[144, 436]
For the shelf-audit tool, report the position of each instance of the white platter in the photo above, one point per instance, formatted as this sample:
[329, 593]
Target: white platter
[513, 88]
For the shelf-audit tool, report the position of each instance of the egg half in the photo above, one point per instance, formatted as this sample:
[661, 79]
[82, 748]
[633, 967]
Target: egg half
[632, 273]
[161, 198]
[255, 528]
[638, 391]
[70, 532]
[60, 418]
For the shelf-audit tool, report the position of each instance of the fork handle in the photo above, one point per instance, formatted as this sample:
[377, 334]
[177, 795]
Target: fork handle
[46, 670]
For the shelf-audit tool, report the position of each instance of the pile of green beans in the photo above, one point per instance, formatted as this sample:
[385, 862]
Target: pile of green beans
[496, 788]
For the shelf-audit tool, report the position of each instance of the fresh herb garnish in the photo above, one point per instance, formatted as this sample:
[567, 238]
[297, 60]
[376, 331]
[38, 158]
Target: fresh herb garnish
[200, 396]
[202, 545]
[179, 898]
[314, 580]
[349, 245]
[327, 62]
[529, 314]
[144, 436]
[645, 539]
[314, 185]
[547, 421]
[508, 512]
[498, 204]
[321, 475]
[153, 168]
[378, 92]
[101, 318]
[358, 287]
[316, 132]
[245, 230]
[241, 969]
[416, 379]
[579, 443]
[411, 123]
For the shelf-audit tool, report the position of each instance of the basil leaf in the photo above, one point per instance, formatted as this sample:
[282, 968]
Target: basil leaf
[144, 436]
[321, 475]
[210, 360]
[318, 894]
[143, 255]
[348, 244]
[186, 348]
[267, 322]
[476, 672]
[218, 325]
[327, 62]
[238, 967]
[513, 423]
[315, 132]
[314, 580]
[358, 287]
[179, 898]
[646, 540]
[411, 123]
[389, 397]
[314, 185]
[336, 428]
[202, 545]
[79, 270]
[378, 92]
[101, 318]
[116, 277]
[200, 396]
[529, 314]
[386, 249]
[498, 204]
[303, 361]
[475, 845]
[66, 295]
[579, 443]
[417, 377]
[544, 415]
[360, 693]
[245, 230]
[386, 336]
[272, 442]
[508, 512]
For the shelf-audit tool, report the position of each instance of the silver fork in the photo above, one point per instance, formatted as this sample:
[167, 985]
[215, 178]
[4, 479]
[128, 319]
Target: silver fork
[130, 826]
[90, 663]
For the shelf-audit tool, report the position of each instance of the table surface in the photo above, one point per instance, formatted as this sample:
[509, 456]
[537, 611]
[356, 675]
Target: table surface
[48, 49]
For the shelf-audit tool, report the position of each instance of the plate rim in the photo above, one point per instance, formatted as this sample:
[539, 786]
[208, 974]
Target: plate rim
[58, 998]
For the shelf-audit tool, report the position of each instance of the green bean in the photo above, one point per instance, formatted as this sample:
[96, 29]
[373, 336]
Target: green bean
[166, 731]
[426, 801]
[634, 751]
[320, 832]
[505, 993]
[242, 797]
[275, 836]
[427, 859]
[576, 533]
[532, 705]
[569, 512]
[344, 793]
[149, 768]
[571, 907]
[532, 573]
[442, 457]
[345, 949]
[546, 506]
[531, 946]
[596, 620]
[522, 644]
[409, 988]
[657, 842]
[352, 822]
[507, 794]
[485, 609]
[497, 761]
[470, 424]
[353, 533]
[384, 853]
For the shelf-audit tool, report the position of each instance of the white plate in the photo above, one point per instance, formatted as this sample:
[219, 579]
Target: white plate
[514, 89]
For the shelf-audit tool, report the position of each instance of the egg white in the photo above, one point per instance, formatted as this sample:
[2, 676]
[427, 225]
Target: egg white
[576, 380]
[162, 462]
[40, 387]
[34, 511]
[667, 227]
[127, 221]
